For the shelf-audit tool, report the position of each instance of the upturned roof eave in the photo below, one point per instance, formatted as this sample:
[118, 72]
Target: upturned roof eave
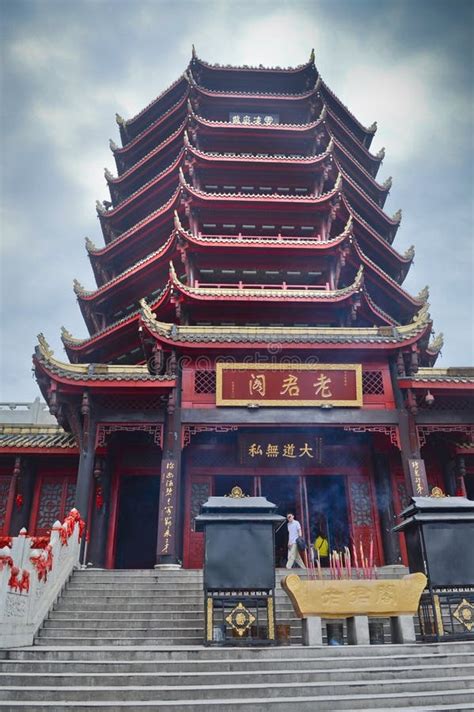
[156, 101]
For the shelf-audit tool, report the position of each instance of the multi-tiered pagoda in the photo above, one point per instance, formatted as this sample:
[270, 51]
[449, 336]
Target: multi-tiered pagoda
[248, 328]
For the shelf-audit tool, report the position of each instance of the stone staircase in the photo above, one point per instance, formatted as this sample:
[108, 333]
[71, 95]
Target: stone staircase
[133, 640]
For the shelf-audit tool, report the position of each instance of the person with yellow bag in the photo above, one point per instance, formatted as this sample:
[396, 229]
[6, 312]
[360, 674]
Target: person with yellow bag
[321, 547]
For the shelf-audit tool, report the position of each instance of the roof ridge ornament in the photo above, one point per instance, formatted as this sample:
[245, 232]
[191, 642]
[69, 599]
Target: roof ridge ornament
[424, 294]
[397, 217]
[410, 253]
[113, 146]
[323, 114]
[66, 334]
[387, 184]
[120, 120]
[44, 347]
[312, 56]
[100, 208]
[147, 311]
[317, 84]
[193, 52]
[437, 343]
[338, 183]
[177, 221]
[381, 153]
[90, 247]
[372, 128]
[77, 286]
[108, 174]
[330, 146]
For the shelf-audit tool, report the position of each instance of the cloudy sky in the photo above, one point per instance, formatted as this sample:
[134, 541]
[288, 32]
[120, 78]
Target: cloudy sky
[67, 67]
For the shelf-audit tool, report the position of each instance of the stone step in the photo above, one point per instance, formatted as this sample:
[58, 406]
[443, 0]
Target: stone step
[235, 677]
[230, 692]
[439, 652]
[127, 605]
[115, 597]
[179, 620]
[293, 659]
[130, 586]
[118, 641]
[436, 701]
[60, 617]
[118, 631]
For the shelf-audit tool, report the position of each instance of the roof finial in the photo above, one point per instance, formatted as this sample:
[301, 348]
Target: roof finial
[424, 294]
[100, 208]
[410, 253]
[373, 127]
[177, 221]
[77, 286]
[45, 348]
[312, 57]
[120, 120]
[387, 184]
[381, 154]
[338, 183]
[397, 217]
[193, 52]
[108, 175]
[146, 310]
[113, 145]
[437, 343]
[66, 335]
[90, 247]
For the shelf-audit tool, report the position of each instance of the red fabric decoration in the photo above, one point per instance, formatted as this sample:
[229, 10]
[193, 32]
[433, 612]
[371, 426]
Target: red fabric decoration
[19, 501]
[25, 581]
[5, 561]
[43, 563]
[39, 542]
[5, 541]
[13, 581]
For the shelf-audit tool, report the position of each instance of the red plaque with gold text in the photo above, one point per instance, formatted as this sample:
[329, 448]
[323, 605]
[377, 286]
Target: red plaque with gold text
[289, 385]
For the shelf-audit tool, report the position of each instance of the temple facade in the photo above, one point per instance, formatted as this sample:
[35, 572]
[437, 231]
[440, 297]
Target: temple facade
[248, 327]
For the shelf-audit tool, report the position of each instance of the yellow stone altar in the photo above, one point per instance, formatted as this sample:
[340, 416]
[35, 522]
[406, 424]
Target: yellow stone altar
[344, 598]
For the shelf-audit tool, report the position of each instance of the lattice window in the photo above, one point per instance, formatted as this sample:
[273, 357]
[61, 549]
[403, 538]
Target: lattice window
[361, 504]
[49, 509]
[454, 403]
[70, 497]
[204, 381]
[200, 493]
[372, 383]
[4, 490]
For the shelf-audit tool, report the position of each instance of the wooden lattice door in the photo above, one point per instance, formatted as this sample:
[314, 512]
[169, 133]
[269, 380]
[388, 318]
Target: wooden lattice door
[198, 491]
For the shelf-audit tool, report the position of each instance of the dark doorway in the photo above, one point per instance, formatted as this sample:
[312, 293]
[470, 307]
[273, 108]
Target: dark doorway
[327, 507]
[137, 522]
[284, 492]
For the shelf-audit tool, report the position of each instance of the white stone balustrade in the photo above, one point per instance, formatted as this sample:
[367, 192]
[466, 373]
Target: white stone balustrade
[23, 611]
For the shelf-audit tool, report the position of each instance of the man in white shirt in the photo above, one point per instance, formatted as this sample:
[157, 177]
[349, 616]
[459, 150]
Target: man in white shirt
[294, 531]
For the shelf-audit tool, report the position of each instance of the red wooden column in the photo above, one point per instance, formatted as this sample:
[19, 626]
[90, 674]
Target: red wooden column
[170, 518]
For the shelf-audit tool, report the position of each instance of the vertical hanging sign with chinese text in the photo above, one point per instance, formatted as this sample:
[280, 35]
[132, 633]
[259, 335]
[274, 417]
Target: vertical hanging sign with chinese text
[419, 481]
[168, 499]
[287, 385]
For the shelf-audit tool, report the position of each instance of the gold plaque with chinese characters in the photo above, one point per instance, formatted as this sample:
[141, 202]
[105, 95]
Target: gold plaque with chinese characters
[323, 385]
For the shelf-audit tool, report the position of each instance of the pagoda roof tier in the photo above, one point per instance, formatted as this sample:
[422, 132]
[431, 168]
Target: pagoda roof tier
[137, 242]
[215, 76]
[289, 337]
[126, 156]
[390, 295]
[249, 201]
[37, 439]
[132, 127]
[264, 293]
[362, 133]
[140, 203]
[337, 129]
[147, 167]
[374, 215]
[261, 242]
[72, 378]
[129, 285]
[118, 338]
[305, 164]
[452, 379]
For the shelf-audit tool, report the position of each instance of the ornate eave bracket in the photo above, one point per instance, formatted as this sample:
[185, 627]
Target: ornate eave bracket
[391, 431]
[425, 430]
[105, 430]
[190, 430]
